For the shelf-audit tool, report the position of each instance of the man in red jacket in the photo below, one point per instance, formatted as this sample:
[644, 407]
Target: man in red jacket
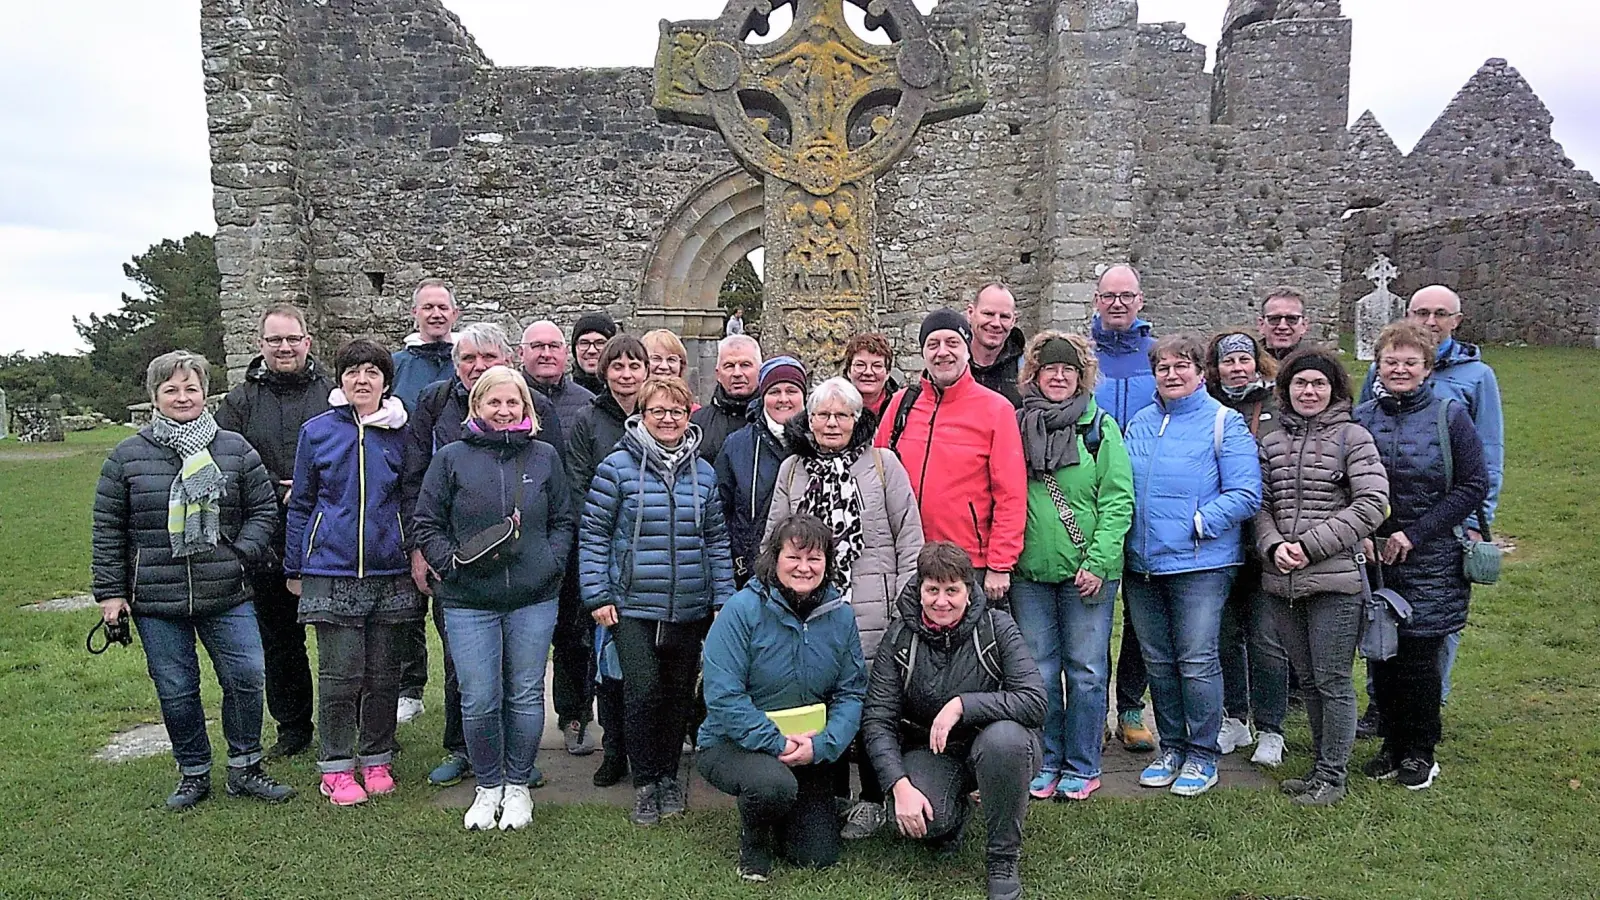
[960, 444]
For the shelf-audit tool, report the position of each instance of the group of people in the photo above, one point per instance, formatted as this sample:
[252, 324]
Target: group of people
[914, 583]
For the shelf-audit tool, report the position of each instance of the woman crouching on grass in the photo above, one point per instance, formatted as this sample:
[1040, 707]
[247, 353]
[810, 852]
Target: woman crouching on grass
[344, 556]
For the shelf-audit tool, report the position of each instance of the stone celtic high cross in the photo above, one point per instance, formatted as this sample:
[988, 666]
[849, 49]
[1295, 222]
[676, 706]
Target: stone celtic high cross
[817, 115]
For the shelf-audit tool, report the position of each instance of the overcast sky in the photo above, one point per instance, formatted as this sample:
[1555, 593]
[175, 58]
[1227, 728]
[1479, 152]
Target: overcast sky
[103, 145]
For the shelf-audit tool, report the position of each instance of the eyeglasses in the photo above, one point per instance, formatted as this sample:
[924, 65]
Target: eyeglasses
[1390, 362]
[1317, 384]
[544, 347]
[283, 340]
[664, 413]
[668, 360]
[592, 344]
[1174, 368]
[1286, 319]
[862, 367]
[834, 417]
[1123, 297]
[1429, 315]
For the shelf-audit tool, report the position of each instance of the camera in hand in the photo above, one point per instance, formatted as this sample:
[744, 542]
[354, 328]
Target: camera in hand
[117, 631]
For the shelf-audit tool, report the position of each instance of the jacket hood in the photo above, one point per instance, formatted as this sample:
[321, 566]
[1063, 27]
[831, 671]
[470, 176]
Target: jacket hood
[1453, 353]
[1259, 392]
[803, 444]
[414, 340]
[1121, 342]
[1183, 404]
[391, 413]
[1010, 352]
[732, 406]
[772, 597]
[909, 604]
[1337, 413]
[644, 448]
[260, 374]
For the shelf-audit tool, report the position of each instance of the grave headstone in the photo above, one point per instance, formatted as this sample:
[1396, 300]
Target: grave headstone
[40, 423]
[1376, 309]
[5, 417]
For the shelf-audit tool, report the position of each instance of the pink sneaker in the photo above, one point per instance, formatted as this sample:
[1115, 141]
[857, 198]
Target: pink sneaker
[341, 788]
[1071, 787]
[378, 779]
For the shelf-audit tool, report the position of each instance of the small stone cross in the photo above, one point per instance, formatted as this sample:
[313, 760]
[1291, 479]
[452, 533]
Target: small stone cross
[1381, 273]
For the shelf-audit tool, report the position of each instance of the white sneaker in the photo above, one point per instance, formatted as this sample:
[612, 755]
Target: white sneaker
[1233, 735]
[407, 709]
[1269, 752]
[485, 807]
[516, 808]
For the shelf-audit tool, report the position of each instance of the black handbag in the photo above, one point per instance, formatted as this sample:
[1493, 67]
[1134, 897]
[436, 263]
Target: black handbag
[495, 546]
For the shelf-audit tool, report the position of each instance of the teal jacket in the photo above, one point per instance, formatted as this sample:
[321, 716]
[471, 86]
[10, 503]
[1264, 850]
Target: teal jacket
[760, 657]
[1099, 491]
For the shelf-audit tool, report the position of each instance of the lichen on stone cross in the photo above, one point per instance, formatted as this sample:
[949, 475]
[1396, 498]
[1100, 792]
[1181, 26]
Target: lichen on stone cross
[817, 114]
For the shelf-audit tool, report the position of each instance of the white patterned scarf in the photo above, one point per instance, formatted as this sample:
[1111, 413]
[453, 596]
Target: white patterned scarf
[194, 506]
[834, 496]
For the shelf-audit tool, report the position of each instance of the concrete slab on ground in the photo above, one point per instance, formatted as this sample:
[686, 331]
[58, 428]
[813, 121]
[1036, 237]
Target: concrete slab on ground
[63, 604]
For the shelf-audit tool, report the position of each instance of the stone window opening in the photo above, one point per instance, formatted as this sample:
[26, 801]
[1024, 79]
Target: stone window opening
[1015, 128]
[376, 279]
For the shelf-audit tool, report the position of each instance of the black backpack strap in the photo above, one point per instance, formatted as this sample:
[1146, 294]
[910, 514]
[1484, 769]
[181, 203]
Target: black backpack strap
[1093, 433]
[902, 413]
[983, 638]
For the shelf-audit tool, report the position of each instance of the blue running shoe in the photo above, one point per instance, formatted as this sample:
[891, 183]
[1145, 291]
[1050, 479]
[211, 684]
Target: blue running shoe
[1043, 786]
[1163, 771]
[1196, 777]
[450, 771]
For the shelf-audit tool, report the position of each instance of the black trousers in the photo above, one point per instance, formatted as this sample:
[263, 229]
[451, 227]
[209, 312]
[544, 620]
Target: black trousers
[1408, 693]
[613, 718]
[572, 655]
[283, 644]
[659, 662]
[999, 763]
[871, 790]
[1132, 681]
[414, 657]
[791, 806]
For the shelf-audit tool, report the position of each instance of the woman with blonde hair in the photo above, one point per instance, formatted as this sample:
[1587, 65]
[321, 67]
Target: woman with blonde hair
[495, 520]
[1080, 506]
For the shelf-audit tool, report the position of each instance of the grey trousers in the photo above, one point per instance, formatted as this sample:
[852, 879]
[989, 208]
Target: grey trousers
[358, 683]
[1319, 633]
[999, 763]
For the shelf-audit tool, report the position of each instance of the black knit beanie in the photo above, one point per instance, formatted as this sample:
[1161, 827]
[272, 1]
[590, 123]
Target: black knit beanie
[1320, 361]
[945, 320]
[598, 322]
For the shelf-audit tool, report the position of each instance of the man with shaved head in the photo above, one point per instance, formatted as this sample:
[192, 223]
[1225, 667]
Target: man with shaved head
[544, 365]
[1459, 374]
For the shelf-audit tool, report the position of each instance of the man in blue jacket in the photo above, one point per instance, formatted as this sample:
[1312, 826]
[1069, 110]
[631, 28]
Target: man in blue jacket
[425, 358]
[1122, 343]
[1460, 374]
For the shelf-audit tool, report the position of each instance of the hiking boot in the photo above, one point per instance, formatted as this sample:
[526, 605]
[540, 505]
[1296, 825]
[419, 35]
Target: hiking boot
[672, 797]
[484, 810]
[646, 806]
[1043, 785]
[406, 709]
[1162, 772]
[251, 781]
[612, 770]
[516, 807]
[341, 789]
[191, 790]
[1071, 787]
[1134, 736]
[1195, 778]
[863, 821]
[289, 743]
[1004, 881]
[1382, 766]
[578, 740]
[1235, 733]
[1417, 773]
[1269, 750]
[450, 770]
[1321, 793]
[378, 779]
[1370, 722]
[1293, 787]
[755, 854]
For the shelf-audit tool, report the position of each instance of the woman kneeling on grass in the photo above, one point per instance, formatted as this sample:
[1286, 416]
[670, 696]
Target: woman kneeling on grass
[344, 556]
[495, 519]
[786, 641]
[182, 511]
[1323, 491]
[954, 704]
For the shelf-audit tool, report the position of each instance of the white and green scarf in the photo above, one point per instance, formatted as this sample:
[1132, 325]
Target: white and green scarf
[194, 507]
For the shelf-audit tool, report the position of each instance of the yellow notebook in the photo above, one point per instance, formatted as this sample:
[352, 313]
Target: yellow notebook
[800, 719]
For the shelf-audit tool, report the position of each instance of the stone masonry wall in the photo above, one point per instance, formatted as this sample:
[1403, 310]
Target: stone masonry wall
[1529, 275]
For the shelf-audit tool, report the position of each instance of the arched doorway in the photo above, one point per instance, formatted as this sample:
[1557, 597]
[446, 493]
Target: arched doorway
[711, 230]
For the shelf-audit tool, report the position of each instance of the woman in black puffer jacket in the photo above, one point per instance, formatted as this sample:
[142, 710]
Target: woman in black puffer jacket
[181, 512]
[955, 703]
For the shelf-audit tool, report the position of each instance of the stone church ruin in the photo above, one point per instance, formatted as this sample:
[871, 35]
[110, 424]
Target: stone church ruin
[361, 145]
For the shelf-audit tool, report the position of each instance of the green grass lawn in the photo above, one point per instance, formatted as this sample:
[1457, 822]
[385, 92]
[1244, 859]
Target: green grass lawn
[1513, 814]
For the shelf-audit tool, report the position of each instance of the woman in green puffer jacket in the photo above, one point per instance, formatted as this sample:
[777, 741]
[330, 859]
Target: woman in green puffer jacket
[1080, 506]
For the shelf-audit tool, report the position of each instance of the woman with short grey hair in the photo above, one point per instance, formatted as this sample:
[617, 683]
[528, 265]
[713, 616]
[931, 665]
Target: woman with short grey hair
[182, 511]
[863, 494]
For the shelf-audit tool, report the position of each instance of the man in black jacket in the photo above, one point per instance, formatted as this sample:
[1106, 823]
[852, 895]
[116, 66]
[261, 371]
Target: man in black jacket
[997, 344]
[282, 389]
[738, 372]
[954, 703]
[435, 422]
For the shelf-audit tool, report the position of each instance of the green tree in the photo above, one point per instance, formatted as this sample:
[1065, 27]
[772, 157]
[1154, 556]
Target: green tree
[178, 306]
[742, 289]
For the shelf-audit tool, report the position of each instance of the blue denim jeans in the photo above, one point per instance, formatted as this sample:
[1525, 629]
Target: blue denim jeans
[499, 659]
[233, 642]
[1069, 636]
[1178, 618]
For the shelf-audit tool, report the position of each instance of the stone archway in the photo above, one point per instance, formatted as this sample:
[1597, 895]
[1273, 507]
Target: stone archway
[711, 230]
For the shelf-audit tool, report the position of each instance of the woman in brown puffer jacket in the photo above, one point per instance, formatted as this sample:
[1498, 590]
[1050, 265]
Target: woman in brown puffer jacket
[1324, 492]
